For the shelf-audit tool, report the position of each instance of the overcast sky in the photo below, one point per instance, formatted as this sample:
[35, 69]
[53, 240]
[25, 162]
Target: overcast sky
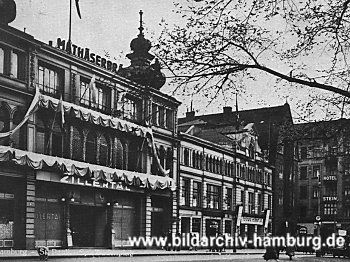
[110, 25]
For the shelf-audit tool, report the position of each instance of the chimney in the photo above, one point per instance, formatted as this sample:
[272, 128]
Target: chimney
[190, 115]
[227, 110]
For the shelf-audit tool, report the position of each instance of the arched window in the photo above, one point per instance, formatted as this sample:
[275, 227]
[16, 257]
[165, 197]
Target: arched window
[90, 151]
[119, 154]
[104, 151]
[77, 145]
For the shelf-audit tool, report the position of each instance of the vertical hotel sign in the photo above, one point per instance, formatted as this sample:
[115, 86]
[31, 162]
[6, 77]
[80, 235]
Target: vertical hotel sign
[239, 216]
[267, 218]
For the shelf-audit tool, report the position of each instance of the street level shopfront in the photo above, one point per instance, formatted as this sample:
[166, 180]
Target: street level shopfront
[89, 208]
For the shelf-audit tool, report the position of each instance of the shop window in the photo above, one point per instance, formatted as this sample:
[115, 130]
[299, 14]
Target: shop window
[196, 225]
[49, 80]
[104, 149]
[228, 227]
[185, 192]
[90, 151]
[77, 145]
[197, 194]
[6, 218]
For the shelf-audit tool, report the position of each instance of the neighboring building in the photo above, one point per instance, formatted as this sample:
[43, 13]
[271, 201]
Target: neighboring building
[104, 171]
[322, 187]
[271, 124]
[218, 173]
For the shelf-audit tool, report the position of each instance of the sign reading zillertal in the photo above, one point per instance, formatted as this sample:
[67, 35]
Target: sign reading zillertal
[94, 183]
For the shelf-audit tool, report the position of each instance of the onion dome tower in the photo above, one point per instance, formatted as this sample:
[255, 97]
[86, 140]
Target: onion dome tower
[7, 11]
[141, 70]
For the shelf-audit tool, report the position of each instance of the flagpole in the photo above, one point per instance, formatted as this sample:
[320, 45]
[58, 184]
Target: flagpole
[70, 21]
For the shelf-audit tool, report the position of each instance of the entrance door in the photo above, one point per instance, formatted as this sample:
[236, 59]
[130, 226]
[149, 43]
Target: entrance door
[86, 227]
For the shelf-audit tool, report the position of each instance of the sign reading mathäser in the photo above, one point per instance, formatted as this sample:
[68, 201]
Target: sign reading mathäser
[84, 53]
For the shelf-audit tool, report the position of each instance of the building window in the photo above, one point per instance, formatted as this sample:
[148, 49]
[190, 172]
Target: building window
[347, 211]
[155, 114]
[197, 194]
[303, 152]
[77, 145]
[2, 61]
[228, 199]
[12, 63]
[48, 80]
[185, 192]
[259, 206]
[90, 151]
[303, 192]
[186, 157]
[169, 118]
[250, 202]
[346, 169]
[213, 196]
[316, 171]
[303, 172]
[131, 109]
[103, 151]
[99, 98]
[161, 116]
[102, 100]
[228, 227]
[347, 191]
[119, 154]
[330, 209]
[315, 192]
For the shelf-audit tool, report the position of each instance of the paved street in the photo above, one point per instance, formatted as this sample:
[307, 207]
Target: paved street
[179, 258]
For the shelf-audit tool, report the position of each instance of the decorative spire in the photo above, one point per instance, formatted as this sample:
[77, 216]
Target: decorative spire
[141, 27]
[141, 70]
[7, 11]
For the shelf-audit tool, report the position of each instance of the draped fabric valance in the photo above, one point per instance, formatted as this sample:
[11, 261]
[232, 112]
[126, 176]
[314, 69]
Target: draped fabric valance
[85, 170]
[94, 117]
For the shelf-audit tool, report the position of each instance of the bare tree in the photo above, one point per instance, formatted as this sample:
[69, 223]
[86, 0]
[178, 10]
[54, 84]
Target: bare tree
[305, 42]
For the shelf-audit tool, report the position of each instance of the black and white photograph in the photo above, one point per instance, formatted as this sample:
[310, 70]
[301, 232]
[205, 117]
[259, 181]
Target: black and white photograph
[174, 130]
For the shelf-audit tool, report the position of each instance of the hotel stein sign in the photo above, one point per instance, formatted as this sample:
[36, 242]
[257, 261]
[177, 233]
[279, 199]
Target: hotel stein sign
[84, 53]
[93, 183]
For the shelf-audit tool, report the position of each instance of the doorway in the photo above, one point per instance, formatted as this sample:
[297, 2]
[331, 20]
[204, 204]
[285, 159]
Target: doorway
[88, 225]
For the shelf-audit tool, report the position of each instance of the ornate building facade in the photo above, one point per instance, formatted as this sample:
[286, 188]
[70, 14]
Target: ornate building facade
[88, 151]
[221, 173]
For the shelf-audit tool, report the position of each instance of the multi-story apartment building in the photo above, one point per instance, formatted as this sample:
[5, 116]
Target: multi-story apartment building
[220, 171]
[322, 187]
[272, 124]
[88, 151]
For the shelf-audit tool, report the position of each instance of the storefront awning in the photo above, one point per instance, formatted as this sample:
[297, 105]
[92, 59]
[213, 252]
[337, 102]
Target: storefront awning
[92, 116]
[86, 170]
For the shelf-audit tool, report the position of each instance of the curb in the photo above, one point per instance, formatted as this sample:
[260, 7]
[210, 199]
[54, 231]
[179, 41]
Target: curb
[133, 255]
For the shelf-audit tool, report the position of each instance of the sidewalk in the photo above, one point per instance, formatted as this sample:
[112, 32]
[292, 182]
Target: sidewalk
[86, 252]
